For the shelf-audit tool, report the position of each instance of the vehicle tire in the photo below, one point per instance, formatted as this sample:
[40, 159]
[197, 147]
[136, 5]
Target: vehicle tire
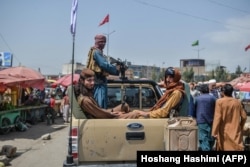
[17, 120]
[18, 123]
[6, 126]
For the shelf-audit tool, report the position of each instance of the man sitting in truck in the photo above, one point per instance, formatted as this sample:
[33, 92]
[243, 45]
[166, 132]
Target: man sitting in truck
[170, 100]
[84, 94]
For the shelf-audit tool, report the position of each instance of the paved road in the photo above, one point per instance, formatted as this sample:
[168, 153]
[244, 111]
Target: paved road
[35, 152]
[32, 151]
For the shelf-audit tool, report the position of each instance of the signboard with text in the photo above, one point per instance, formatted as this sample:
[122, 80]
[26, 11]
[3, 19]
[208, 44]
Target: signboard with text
[5, 59]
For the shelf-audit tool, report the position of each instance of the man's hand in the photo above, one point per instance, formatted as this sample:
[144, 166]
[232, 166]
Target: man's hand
[116, 114]
[142, 113]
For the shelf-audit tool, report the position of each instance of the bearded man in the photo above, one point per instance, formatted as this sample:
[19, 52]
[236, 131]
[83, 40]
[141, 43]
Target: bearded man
[171, 98]
[102, 68]
[84, 95]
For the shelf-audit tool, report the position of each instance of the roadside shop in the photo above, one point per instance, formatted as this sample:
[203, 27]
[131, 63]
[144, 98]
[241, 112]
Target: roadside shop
[20, 97]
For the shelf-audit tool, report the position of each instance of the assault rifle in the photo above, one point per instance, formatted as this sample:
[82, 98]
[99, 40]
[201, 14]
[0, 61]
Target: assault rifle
[123, 66]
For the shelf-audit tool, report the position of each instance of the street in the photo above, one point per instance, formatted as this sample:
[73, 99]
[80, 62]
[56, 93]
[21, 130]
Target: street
[32, 151]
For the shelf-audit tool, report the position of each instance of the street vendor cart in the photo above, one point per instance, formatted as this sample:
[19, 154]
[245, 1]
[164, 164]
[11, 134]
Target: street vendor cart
[13, 80]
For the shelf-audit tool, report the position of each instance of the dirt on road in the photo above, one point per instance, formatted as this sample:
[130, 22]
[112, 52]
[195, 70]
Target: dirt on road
[24, 141]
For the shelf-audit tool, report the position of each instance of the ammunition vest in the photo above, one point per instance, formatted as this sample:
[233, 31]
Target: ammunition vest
[91, 64]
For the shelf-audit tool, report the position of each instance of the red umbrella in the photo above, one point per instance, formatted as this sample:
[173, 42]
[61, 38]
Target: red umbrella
[245, 87]
[22, 76]
[66, 80]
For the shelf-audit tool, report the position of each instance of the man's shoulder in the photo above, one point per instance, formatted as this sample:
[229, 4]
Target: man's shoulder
[177, 92]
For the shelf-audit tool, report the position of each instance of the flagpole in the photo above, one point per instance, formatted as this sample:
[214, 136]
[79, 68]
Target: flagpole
[108, 34]
[69, 159]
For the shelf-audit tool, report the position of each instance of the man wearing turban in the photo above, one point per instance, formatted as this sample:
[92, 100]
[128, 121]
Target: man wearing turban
[84, 94]
[102, 68]
[171, 98]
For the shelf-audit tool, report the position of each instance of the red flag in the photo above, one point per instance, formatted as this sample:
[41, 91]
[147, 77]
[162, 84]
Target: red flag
[248, 47]
[105, 20]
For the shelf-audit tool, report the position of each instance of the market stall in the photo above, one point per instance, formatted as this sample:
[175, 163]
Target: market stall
[17, 99]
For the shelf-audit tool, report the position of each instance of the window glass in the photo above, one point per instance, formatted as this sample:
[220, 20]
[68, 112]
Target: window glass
[131, 95]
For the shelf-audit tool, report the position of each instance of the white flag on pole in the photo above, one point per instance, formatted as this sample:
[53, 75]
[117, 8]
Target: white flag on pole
[73, 17]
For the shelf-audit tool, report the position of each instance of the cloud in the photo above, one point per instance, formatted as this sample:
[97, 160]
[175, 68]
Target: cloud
[237, 30]
[227, 45]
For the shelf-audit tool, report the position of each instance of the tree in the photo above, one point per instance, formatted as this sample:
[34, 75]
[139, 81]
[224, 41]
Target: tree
[238, 71]
[188, 75]
[221, 74]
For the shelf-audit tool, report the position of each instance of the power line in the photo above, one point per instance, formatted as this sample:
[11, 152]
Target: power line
[188, 15]
[8, 47]
[227, 6]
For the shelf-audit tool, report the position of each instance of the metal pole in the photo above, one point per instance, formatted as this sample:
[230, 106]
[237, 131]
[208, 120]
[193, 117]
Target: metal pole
[198, 67]
[198, 64]
[108, 34]
[69, 159]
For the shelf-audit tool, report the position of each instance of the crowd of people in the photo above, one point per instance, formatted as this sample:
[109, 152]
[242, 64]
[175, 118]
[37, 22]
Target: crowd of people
[220, 116]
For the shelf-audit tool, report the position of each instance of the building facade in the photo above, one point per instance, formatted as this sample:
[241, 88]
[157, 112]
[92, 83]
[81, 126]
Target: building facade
[198, 66]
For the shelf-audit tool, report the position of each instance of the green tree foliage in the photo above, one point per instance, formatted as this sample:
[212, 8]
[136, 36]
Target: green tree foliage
[188, 75]
[238, 71]
[220, 74]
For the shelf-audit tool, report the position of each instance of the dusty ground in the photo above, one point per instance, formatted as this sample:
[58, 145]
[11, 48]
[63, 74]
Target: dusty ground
[25, 140]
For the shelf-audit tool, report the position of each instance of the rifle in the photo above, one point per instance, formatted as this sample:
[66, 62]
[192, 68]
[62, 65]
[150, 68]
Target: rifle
[123, 66]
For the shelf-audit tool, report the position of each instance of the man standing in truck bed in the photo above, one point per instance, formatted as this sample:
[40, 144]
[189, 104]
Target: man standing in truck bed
[102, 68]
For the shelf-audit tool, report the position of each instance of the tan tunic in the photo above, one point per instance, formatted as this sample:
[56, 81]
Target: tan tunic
[229, 120]
[163, 112]
[92, 110]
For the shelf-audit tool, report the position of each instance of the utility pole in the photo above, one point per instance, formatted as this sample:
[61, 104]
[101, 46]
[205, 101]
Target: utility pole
[198, 68]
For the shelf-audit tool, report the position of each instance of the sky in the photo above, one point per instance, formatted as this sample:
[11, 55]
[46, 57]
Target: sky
[144, 32]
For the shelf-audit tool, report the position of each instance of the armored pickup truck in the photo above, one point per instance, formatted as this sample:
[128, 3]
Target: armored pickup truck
[115, 142]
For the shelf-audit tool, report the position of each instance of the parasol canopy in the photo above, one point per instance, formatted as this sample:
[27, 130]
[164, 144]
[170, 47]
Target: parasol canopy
[240, 81]
[66, 80]
[22, 76]
[245, 87]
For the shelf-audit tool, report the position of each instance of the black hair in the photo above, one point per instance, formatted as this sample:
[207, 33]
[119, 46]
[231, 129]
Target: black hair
[227, 89]
[204, 88]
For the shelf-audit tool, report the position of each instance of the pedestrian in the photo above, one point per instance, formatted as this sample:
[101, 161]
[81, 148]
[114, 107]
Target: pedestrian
[204, 106]
[170, 100]
[51, 110]
[98, 62]
[65, 106]
[84, 94]
[228, 122]
[193, 91]
[213, 89]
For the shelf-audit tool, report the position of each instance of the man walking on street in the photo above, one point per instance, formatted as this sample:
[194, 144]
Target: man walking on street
[228, 123]
[204, 114]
